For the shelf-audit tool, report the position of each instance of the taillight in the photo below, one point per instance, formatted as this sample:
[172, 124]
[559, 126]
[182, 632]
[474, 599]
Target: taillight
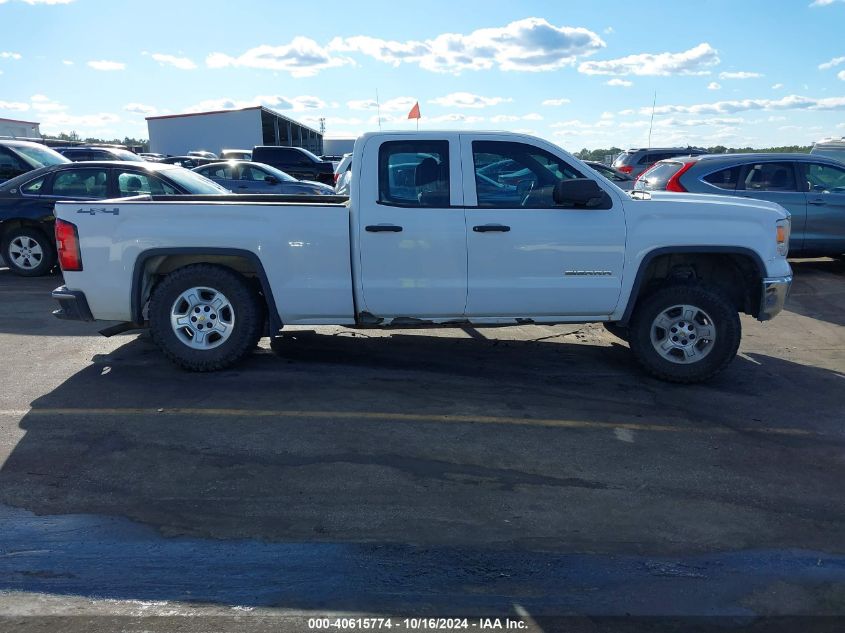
[67, 244]
[674, 183]
[336, 177]
[626, 169]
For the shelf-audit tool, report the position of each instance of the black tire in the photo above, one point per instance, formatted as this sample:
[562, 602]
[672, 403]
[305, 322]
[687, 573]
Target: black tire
[35, 265]
[725, 320]
[617, 330]
[245, 303]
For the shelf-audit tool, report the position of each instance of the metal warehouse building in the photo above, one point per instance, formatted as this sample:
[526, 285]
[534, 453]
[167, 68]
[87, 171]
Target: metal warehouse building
[22, 129]
[177, 134]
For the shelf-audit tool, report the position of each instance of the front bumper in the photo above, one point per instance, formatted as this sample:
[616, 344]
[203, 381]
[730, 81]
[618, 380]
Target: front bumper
[73, 305]
[775, 290]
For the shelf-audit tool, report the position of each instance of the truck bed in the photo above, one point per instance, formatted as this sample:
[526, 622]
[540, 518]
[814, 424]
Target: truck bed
[303, 240]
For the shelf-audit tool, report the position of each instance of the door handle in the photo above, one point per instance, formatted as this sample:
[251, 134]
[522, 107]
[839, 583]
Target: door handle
[818, 202]
[384, 228]
[490, 228]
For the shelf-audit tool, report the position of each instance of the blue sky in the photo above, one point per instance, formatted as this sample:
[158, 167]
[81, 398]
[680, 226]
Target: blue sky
[582, 74]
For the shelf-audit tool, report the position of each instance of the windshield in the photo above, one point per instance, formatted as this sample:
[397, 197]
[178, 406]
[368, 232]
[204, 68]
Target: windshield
[123, 154]
[278, 173]
[313, 157]
[834, 152]
[193, 182]
[41, 156]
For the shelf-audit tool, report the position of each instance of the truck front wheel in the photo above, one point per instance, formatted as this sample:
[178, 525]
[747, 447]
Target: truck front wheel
[685, 333]
[205, 317]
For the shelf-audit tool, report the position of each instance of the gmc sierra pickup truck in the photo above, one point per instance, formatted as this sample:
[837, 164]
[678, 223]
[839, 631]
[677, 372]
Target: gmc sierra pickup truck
[441, 228]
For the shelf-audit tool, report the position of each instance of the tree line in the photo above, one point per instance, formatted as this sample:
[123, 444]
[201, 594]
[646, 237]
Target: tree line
[128, 141]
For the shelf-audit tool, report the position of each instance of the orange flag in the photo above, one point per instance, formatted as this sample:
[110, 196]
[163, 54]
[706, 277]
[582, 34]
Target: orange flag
[415, 111]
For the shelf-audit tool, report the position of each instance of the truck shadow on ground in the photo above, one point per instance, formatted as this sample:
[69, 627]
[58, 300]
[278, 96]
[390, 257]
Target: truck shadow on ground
[818, 288]
[401, 458]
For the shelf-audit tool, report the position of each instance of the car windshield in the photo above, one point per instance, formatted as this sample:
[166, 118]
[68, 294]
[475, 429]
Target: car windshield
[41, 156]
[278, 173]
[834, 152]
[193, 182]
[310, 155]
[123, 154]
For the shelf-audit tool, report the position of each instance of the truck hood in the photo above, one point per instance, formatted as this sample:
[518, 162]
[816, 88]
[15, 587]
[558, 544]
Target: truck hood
[705, 201]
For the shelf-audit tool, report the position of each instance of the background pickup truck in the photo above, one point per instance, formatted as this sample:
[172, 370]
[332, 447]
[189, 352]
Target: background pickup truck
[296, 161]
[441, 228]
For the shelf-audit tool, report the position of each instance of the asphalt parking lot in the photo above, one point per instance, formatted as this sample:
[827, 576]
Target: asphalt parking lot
[529, 470]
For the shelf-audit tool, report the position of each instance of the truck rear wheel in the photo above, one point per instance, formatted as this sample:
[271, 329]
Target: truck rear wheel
[685, 333]
[205, 317]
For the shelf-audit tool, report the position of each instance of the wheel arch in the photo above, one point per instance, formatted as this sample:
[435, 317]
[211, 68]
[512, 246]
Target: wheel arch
[663, 263]
[158, 261]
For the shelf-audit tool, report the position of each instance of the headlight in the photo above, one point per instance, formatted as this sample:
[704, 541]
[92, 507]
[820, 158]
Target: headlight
[782, 231]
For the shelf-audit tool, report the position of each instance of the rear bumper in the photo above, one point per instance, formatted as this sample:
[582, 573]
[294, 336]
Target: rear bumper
[774, 293]
[73, 305]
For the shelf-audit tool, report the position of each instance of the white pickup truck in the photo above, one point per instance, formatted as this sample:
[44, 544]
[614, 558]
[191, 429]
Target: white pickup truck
[441, 228]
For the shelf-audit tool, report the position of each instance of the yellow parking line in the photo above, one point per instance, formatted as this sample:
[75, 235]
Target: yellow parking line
[420, 417]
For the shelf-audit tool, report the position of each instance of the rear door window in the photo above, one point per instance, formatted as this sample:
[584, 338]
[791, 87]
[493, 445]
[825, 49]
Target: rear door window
[724, 178]
[131, 183]
[81, 183]
[770, 177]
[414, 173]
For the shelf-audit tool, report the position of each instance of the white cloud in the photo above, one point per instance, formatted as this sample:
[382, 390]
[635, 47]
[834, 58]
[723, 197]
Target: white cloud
[467, 100]
[619, 82]
[34, 2]
[330, 121]
[507, 118]
[85, 124]
[777, 86]
[392, 105]
[14, 106]
[739, 74]
[608, 115]
[694, 61]
[531, 44]
[182, 63]
[823, 3]
[836, 61]
[714, 85]
[140, 108]
[626, 112]
[841, 75]
[457, 117]
[9, 55]
[790, 102]
[302, 57]
[608, 30]
[278, 102]
[106, 65]
[775, 118]
[556, 102]
[42, 103]
[67, 62]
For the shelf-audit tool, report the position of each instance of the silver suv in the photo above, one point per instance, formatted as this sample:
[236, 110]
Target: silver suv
[635, 161]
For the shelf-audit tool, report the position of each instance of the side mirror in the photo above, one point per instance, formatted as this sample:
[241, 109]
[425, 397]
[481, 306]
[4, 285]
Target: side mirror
[271, 180]
[578, 192]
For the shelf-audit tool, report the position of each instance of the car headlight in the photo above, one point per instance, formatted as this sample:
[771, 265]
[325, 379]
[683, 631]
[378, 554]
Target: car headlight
[783, 230]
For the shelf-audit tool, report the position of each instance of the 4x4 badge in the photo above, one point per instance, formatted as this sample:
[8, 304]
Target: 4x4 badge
[94, 211]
